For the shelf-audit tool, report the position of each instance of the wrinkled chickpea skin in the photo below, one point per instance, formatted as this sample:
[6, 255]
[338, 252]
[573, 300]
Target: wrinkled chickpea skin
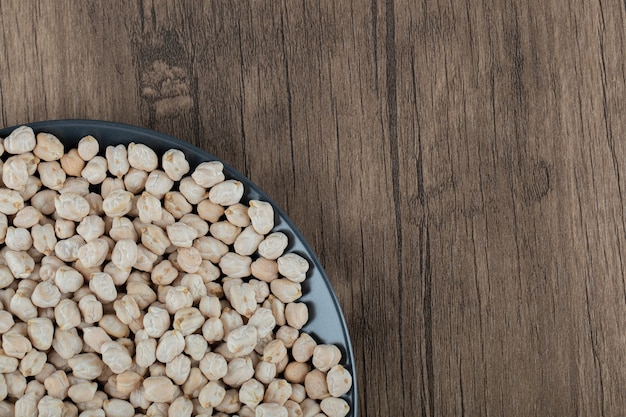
[135, 284]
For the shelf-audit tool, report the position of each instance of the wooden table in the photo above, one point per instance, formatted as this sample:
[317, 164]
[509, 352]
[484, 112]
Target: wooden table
[458, 167]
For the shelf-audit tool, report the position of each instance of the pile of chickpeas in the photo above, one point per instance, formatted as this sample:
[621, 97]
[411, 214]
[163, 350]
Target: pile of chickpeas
[134, 285]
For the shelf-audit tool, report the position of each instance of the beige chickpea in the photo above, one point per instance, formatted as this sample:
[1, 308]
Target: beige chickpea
[242, 340]
[181, 407]
[103, 287]
[16, 345]
[175, 164]
[117, 203]
[335, 407]
[135, 180]
[278, 309]
[122, 228]
[261, 216]
[6, 277]
[298, 393]
[271, 410]
[230, 404]
[247, 242]
[278, 391]
[242, 298]
[158, 183]
[295, 372]
[200, 225]
[181, 235]
[113, 326]
[208, 174]
[159, 389]
[226, 193]
[71, 206]
[225, 231]
[8, 364]
[126, 309]
[303, 348]
[90, 308]
[21, 140]
[210, 306]
[264, 269]
[10, 201]
[125, 254]
[117, 160]
[44, 238]
[74, 185]
[41, 332]
[67, 249]
[87, 366]
[176, 203]
[18, 239]
[315, 385]
[72, 163]
[57, 385]
[265, 372]
[31, 162]
[82, 392]
[231, 319]
[178, 298]
[20, 263]
[212, 394]
[48, 147]
[325, 356]
[195, 346]
[195, 284]
[288, 335]
[188, 259]
[141, 292]
[188, 320]
[127, 382]
[27, 217]
[67, 315]
[210, 248]
[296, 314]
[94, 337]
[155, 239]
[156, 321]
[46, 294]
[213, 329]
[142, 157]
[95, 171]
[235, 266]
[51, 175]
[15, 173]
[68, 279]
[251, 392]
[88, 148]
[285, 290]
[149, 208]
[209, 211]
[116, 357]
[178, 369]
[91, 227]
[338, 380]
[310, 407]
[213, 366]
[275, 351]
[145, 354]
[6, 321]
[4, 224]
[67, 343]
[35, 387]
[273, 245]
[145, 259]
[170, 345]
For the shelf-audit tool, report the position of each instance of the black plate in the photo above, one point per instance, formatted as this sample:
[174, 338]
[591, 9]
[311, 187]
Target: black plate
[326, 321]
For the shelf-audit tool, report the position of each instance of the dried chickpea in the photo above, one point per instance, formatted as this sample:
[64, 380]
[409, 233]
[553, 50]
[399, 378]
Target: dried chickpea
[113, 246]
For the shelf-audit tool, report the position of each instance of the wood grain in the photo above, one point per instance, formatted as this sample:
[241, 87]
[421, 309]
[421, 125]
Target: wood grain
[458, 167]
